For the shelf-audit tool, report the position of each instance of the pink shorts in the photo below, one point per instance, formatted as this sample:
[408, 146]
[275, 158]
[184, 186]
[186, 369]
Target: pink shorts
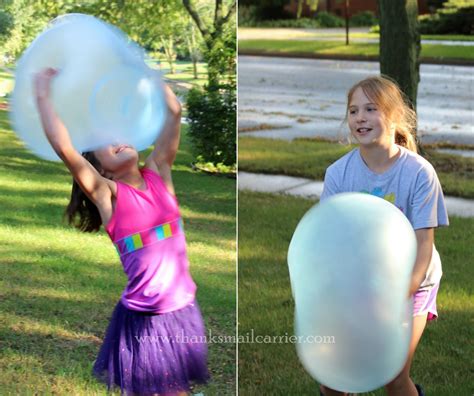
[424, 302]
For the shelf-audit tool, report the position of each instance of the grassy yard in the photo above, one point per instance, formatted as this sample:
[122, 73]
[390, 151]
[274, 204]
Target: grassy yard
[58, 286]
[310, 158]
[327, 48]
[300, 33]
[184, 72]
[266, 224]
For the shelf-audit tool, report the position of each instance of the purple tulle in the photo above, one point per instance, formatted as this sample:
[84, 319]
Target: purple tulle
[148, 353]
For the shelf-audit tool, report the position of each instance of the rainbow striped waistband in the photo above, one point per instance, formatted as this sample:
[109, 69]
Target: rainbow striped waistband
[142, 239]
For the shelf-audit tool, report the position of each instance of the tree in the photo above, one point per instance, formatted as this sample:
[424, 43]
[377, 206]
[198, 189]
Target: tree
[400, 45]
[193, 47]
[25, 23]
[213, 32]
[212, 110]
[313, 6]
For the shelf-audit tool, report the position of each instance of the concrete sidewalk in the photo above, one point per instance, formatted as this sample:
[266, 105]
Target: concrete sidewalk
[307, 188]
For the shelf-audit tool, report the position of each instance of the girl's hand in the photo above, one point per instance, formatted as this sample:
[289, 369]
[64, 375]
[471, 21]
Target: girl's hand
[42, 82]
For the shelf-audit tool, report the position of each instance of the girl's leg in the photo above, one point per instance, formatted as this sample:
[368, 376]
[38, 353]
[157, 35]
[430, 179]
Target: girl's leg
[402, 385]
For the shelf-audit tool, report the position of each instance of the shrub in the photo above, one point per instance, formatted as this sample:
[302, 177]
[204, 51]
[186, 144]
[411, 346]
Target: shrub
[248, 16]
[321, 20]
[306, 23]
[375, 29]
[327, 20]
[212, 124]
[456, 17]
[364, 18]
[6, 23]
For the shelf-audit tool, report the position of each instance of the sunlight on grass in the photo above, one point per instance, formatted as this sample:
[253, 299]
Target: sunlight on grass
[310, 158]
[266, 305]
[58, 286]
[354, 49]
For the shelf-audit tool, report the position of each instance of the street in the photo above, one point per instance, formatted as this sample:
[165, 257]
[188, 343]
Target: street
[286, 98]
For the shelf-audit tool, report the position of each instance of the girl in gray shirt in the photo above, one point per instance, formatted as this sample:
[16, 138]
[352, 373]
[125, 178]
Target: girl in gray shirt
[386, 164]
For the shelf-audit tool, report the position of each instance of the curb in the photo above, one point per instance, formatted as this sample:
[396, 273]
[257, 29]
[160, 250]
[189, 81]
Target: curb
[365, 58]
[312, 189]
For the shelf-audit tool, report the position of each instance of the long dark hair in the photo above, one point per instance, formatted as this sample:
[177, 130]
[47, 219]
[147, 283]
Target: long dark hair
[81, 211]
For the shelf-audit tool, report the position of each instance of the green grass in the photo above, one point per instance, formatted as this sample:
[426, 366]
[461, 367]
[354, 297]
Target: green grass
[308, 33]
[266, 223]
[58, 286]
[445, 37]
[310, 158]
[327, 48]
[183, 70]
[184, 73]
[450, 37]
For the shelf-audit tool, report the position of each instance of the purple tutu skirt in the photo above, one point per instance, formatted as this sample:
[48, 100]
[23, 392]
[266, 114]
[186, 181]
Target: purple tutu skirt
[148, 353]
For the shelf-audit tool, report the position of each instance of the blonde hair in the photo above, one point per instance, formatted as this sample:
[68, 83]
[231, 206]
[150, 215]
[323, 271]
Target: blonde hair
[393, 105]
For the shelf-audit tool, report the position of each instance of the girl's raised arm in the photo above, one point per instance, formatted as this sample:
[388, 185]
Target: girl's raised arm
[91, 182]
[166, 146]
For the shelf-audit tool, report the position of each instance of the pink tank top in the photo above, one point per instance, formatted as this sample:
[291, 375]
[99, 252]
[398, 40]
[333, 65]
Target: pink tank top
[147, 231]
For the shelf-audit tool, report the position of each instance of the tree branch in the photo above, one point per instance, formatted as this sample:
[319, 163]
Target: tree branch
[229, 14]
[218, 12]
[193, 13]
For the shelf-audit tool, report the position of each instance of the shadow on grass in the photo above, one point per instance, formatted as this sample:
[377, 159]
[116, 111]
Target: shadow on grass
[59, 288]
[442, 362]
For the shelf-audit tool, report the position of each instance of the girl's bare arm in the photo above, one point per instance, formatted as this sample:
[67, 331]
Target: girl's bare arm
[166, 146]
[91, 182]
[425, 239]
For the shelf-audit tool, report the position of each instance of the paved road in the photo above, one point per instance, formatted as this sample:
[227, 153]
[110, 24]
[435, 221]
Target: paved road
[286, 98]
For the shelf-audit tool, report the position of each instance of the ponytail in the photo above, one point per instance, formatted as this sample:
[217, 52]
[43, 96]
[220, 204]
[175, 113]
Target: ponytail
[81, 212]
[406, 140]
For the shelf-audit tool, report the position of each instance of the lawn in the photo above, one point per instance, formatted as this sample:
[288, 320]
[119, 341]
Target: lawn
[300, 33]
[310, 158]
[334, 48]
[266, 223]
[59, 286]
[184, 73]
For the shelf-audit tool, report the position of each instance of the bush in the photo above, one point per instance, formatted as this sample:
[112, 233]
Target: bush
[375, 29]
[321, 20]
[6, 23]
[455, 17]
[364, 18]
[327, 20]
[212, 124]
[306, 23]
[248, 16]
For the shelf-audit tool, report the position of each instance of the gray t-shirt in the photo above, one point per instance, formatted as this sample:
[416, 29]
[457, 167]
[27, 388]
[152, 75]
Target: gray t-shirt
[411, 184]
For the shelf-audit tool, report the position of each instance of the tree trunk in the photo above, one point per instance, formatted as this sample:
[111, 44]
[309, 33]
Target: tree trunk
[299, 9]
[195, 68]
[193, 51]
[346, 12]
[170, 53]
[400, 44]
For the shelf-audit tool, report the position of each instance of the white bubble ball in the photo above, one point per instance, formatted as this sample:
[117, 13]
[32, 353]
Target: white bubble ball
[350, 262]
[104, 92]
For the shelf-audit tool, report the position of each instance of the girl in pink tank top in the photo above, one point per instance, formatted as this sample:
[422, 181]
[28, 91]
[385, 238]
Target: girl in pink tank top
[155, 342]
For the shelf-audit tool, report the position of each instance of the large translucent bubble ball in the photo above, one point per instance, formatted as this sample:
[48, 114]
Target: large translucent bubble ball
[104, 92]
[350, 262]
